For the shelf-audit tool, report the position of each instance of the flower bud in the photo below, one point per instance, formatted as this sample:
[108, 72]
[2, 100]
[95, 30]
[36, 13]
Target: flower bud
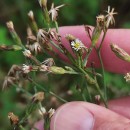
[57, 70]
[96, 35]
[120, 53]
[10, 25]
[43, 3]
[31, 15]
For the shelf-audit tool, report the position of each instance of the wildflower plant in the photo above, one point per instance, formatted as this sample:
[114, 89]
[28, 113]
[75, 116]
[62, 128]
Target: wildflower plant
[42, 41]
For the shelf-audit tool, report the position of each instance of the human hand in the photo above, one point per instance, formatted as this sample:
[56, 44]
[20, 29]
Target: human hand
[88, 116]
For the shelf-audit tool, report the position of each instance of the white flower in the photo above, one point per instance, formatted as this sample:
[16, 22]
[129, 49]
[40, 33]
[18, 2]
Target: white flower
[26, 69]
[51, 112]
[42, 111]
[42, 36]
[127, 77]
[54, 11]
[27, 53]
[109, 16]
[77, 45]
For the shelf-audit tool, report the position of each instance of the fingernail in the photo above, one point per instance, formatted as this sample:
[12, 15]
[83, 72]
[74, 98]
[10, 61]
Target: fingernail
[88, 122]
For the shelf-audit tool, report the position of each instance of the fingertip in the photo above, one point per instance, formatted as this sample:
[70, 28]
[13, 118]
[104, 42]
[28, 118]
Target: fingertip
[87, 116]
[72, 117]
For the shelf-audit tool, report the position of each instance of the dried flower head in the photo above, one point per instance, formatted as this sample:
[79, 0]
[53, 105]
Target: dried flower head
[26, 68]
[31, 15]
[127, 77]
[10, 25]
[13, 70]
[42, 111]
[109, 16]
[120, 52]
[48, 62]
[54, 35]
[42, 36]
[77, 45]
[27, 53]
[35, 47]
[101, 21]
[9, 81]
[70, 37]
[54, 11]
[43, 68]
[51, 112]
[38, 97]
[13, 118]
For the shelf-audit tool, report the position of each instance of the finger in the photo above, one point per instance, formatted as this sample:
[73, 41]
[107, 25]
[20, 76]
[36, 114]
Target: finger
[87, 116]
[38, 125]
[121, 106]
[111, 62]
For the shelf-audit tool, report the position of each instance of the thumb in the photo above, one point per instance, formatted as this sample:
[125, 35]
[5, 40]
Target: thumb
[87, 116]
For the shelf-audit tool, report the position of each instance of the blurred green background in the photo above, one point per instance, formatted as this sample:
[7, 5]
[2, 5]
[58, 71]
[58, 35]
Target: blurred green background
[76, 13]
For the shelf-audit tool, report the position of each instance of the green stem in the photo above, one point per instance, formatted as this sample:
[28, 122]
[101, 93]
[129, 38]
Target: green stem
[98, 89]
[103, 73]
[102, 66]
[55, 45]
[47, 18]
[102, 41]
[90, 98]
[93, 82]
[87, 55]
[21, 127]
[57, 28]
[61, 99]
[50, 92]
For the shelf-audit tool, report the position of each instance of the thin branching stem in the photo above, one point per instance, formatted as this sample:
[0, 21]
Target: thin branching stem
[50, 92]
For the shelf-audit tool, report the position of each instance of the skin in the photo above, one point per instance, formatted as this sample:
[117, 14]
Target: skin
[88, 116]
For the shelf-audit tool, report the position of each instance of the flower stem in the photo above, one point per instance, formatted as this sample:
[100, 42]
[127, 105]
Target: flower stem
[50, 92]
[103, 73]
[91, 81]
[57, 28]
